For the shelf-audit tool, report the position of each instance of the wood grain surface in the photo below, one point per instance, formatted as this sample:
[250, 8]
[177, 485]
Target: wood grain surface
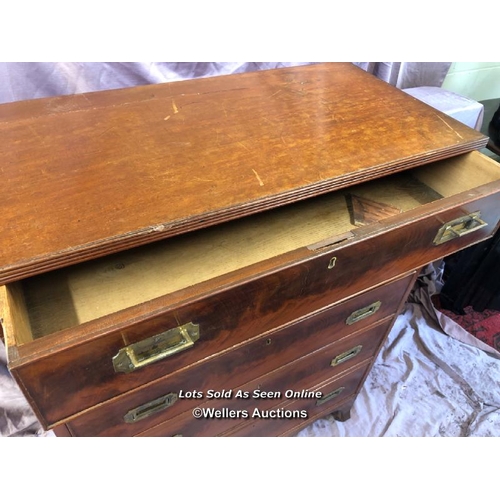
[91, 174]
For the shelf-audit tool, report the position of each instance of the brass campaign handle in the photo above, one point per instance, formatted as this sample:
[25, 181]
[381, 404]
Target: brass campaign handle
[156, 348]
[150, 408]
[330, 396]
[459, 227]
[363, 313]
[346, 356]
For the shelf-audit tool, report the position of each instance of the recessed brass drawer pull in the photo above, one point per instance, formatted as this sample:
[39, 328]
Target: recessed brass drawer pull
[459, 227]
[150, 408]
[330, 396]
[363, 313]
[153, 349]
[346, 356]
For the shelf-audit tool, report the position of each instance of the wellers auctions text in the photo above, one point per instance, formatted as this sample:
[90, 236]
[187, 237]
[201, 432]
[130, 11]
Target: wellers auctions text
[223, 413]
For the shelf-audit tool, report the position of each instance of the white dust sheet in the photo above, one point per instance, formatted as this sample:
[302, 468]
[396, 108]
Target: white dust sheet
[424, 383]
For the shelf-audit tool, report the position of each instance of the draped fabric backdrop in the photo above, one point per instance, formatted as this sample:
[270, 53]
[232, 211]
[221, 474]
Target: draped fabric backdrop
[44, 79]
[405, 75]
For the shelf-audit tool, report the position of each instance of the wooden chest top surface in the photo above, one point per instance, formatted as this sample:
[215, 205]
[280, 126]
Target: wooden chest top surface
[92, 174]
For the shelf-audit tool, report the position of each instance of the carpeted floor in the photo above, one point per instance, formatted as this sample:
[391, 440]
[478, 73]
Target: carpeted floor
[484, 325]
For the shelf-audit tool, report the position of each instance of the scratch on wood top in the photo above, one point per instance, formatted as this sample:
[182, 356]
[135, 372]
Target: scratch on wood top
[174, 107]
[85, 98]
[283, 139]
[258, 177]
[449, 126]
[232, 138]
[199, 179]
[35, 133]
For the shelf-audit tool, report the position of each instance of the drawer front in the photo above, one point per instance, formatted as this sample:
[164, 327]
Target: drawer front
[281, 419]
[79, 376]
[302, 374]
[284, 346]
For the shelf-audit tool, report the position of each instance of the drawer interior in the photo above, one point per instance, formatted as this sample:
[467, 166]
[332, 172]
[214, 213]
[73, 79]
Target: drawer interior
[64, 298]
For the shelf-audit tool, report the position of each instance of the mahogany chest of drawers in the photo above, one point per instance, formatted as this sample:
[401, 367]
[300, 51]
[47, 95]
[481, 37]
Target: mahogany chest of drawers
[223, 256]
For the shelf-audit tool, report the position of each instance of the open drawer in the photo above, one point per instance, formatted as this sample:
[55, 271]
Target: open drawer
[81, 335]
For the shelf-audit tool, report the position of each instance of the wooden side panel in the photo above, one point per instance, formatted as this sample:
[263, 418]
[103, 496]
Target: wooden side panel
[14, 319]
